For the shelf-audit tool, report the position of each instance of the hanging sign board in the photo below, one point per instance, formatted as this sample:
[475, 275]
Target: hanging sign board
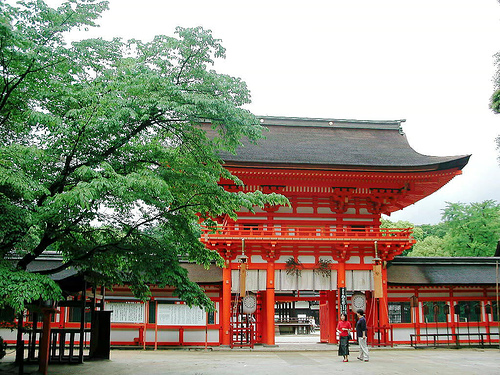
[126, 312]
[378, 290]
[343, 300]
[177, 314]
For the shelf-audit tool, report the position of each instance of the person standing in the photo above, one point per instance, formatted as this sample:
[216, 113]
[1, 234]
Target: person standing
[343, 329]
[361, 331]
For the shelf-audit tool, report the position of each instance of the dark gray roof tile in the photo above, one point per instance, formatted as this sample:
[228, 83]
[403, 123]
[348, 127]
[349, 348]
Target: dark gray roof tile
[343, 144]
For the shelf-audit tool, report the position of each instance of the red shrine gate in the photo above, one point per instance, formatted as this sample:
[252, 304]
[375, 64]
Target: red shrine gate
[327, 246]
[339, 176]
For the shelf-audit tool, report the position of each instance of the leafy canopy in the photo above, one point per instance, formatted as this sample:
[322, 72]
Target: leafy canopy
[102, 156]
[466, 230]
[473, 229]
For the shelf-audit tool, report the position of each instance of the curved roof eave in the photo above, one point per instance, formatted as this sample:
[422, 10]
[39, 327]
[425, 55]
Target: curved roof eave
[458, 163]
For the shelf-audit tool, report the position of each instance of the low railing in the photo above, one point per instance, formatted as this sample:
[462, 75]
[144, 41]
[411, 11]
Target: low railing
[382, 336]
[291, 232]
[66, 345]
[435, 340]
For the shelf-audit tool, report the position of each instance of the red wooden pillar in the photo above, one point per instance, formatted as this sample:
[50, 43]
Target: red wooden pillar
[270, 302]
[370, 314]
[340, 281]
[332, 316]
[335, 305]
[323, 317]
[226, 304]
[261, 322]
[43, 364]
[384, 309]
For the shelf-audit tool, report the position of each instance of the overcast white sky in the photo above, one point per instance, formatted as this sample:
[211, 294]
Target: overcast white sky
[429, 62]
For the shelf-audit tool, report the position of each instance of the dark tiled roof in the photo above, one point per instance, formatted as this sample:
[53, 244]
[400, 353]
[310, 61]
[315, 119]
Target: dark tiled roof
[198, 274]
[343, 144]
[442, 271]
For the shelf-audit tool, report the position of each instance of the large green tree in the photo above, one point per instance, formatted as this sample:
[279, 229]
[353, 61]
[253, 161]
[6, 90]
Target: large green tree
[102, 156]
[472, 229]
[468, 230]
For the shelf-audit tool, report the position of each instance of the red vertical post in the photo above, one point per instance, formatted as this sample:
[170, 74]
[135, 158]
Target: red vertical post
[384, 309]
[332, 316]
[226, 303]
[262, 317]
[340, 280]
[335, 314]
[270, 296]
[43, 364]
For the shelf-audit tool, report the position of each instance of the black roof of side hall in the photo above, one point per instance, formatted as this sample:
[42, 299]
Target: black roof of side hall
[338, 144]
[442, 271]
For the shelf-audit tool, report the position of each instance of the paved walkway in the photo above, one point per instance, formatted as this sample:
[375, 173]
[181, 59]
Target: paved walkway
[290, 357]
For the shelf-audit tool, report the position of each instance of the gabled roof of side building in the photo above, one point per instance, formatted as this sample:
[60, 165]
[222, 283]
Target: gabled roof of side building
[442, 271]
[334, 144]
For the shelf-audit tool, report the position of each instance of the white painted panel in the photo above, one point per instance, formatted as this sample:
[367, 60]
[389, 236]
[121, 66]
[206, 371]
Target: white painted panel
[322, 282]
[403, 334]
[348, 280]
[262, 279]
[306, 280]
[277, 279]
[399, 295]
[252, 280]
[288, 282]
[123, 335]
[354, 260]
[478, 294]
[333, 279]
[170, 335]
[235, 281]
[282, 259]
[368, 259]
[257, 259]
[305, 210]
[304, 259]
[7, 334]
[198, 335]
[362, 280]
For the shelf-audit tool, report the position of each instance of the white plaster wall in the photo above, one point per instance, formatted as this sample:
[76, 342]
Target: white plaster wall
[7, 334]
[307, 259]
[478, 294]
[359, 280]
[257, 259]
[199, 335]
[354, 260]
[399, 295]
[402, 334]
[127, 335]
[163, 335]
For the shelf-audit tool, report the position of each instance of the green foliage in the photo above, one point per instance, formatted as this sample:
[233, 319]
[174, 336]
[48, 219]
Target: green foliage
[102, 156]
[431, 246]
[473, 229]
[437, 230]
[467, 230]
[417, 232]
[18, 288]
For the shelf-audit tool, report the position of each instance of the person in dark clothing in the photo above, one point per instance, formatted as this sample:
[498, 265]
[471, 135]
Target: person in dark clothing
[361, 331]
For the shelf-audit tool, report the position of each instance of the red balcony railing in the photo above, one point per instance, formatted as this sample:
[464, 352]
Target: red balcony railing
[282, 232]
